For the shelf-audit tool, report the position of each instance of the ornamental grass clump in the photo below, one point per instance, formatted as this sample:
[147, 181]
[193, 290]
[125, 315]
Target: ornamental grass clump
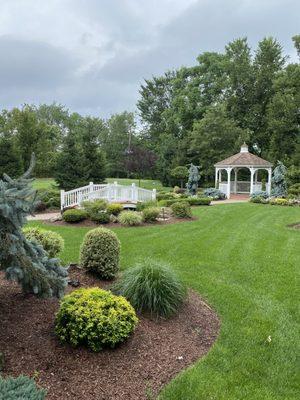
[100, 253]
[52, 242]
[95, 318]
[152, 287]
[130, 218]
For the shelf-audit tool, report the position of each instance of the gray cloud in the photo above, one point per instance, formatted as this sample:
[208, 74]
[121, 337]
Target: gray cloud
[92, 56]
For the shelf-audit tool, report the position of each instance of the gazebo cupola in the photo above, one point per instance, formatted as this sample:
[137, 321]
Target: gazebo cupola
[243, 159]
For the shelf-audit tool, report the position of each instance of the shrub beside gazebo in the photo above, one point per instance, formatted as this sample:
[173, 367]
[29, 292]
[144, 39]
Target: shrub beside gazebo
[236, 162]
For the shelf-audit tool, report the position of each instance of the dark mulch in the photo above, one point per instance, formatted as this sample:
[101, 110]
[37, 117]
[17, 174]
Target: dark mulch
[152, 356]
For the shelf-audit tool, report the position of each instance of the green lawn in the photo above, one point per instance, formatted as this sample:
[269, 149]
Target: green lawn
[45, 183]
[245, 262]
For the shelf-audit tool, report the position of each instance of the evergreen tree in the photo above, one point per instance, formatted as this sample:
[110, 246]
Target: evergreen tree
[10, 159]
[279, 184]
[24, 261]
[70, 171]
[94, 157]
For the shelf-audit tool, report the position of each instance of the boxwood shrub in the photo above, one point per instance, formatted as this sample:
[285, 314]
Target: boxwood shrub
[101, 217]
[152, 287]
[130, 218]
[74, 215]
[95, 318]
[20, 388]
[181, 210]
[52, 242]
[100, 253]
[151, 214]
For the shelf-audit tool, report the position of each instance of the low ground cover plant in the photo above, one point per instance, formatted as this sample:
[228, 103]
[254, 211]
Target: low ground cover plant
[130, 218]
[152, 287]
[95, 318]
[151, 214]
[52, 242]
[215, 194]
[74, 215]
[181, 210]
[20, 388]
[100, 253]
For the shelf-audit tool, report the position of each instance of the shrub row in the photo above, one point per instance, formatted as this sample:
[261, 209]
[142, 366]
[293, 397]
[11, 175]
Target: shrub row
[193, 201]
[275, 201]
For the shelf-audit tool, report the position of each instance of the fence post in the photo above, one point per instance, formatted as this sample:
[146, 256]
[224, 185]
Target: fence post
[91, 189]
[62, 199]
[154, 194]
[133, 192]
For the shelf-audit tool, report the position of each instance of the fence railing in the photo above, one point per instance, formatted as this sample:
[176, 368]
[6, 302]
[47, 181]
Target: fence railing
[112, 192]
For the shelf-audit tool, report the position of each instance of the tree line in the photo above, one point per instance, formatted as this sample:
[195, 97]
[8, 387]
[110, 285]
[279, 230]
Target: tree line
[199, 114]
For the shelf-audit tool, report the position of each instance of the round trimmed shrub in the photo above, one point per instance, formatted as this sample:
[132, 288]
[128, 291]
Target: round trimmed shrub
[20, 388]
[74, 215]
[130, 218]
[114, 208]
[100, 252]
[151, 214]
[152, 287]
[101, 217]
[95, 318]
[181, 209]
[52, 242]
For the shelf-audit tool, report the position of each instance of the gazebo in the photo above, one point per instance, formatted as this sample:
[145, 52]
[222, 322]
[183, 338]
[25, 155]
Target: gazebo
[234, 163]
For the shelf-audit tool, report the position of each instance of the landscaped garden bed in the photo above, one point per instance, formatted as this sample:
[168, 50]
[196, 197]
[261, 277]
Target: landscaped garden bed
[136, 369]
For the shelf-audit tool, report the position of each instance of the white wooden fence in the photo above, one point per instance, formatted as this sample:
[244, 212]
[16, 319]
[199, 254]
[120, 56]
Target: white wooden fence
[112, 192]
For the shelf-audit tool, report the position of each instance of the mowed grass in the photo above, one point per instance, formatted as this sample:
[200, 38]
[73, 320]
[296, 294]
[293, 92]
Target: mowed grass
[244, 260]
[47, 183]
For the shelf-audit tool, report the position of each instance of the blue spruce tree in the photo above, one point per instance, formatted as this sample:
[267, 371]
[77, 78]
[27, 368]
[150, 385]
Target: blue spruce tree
[279, 185]
[24, 261]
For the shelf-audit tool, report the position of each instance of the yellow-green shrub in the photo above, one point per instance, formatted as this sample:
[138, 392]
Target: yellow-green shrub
[52, 242]
[100, 252]
[151, 214]
[95, 318]
[114, 208]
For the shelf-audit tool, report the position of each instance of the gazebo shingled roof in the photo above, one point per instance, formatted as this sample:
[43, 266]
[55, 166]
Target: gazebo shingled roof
[244, 159]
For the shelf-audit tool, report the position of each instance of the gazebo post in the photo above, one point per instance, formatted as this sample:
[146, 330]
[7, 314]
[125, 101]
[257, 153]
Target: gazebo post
[235, 179]
[216, 177]
[269, 181]
[252, 172]
[228, 181]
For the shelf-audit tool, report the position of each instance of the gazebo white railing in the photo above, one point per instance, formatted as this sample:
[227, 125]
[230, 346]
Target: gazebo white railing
[112, 192]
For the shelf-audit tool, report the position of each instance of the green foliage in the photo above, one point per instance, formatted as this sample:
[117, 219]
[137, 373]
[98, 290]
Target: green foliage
[259, 200]
[130, 218]
[52, 242]
[24, 261]
[180, 173]
[20, 388]
[94, 318]
[192, 185]
[101, 217]
[50, 197]
[10, 158]
[293, 175]
[278, 202]
[146, 204]
[100, 253]
[181, 209]
[94, 206]
[152, 287]
[199, 201]
[215, 194]
[294, 189]
[261, 194]
[279, 184]
[114, 208]
[151, 214]
[74, 215]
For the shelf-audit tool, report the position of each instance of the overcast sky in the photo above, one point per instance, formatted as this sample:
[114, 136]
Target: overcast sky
[92, 55]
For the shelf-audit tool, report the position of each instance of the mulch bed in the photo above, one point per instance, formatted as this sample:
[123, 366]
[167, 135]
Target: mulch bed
[89, 223]
[135, 370]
